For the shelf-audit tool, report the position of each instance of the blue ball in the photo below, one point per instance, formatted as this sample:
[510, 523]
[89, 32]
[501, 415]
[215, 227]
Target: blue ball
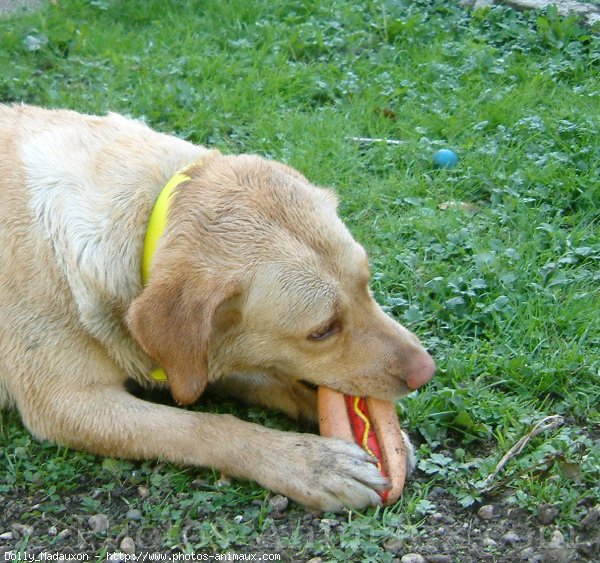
[445, 158]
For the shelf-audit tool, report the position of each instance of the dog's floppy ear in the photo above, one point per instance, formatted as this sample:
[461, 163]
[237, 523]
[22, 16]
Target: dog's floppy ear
[173, 323]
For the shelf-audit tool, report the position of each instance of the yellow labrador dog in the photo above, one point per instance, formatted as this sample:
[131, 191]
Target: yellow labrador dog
[254, 286]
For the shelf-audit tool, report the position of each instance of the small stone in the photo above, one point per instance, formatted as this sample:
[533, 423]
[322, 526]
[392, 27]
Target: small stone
[529, 554]
[393, 545]
[557, 555]
[441, 531]
[511, 537]
[486, 512]
[329, 523]
[589, 548]
[98, 523]
[21, 531]
[66, 533]
[557, 538]
[489, 542]
[224, 481]
[547, 514]
[412, 558]
[436, 492]
[556, 551]
[127, 545]
[436, 517]
[6, 536]
[144, 492]
[134, 514]
[315, 560]
[526, 553]
[53, 531]
[279, 503]
[591, 518]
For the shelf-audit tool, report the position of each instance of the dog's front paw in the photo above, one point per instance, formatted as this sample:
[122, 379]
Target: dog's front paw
[327, 474]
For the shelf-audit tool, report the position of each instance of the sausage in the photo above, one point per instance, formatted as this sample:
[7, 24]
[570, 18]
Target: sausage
[372, 424]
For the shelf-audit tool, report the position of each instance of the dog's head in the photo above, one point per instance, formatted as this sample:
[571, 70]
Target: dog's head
[256, 273]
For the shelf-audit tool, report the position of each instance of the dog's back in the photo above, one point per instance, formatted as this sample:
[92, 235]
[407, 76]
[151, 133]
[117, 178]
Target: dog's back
[74, 190]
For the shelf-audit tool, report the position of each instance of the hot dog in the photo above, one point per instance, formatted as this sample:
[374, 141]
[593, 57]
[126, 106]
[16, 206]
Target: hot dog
[372, 424]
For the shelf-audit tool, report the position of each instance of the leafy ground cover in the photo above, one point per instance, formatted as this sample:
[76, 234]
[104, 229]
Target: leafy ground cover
[494, 263]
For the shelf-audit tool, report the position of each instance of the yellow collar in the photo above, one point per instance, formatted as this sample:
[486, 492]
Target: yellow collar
[156, 227]
[158, 222]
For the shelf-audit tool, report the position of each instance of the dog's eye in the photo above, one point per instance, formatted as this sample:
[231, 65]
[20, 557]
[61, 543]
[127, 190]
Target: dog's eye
[325, 332]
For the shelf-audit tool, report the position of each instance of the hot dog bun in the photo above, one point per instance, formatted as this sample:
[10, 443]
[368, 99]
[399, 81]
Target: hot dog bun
[372, 424]
[387, 428]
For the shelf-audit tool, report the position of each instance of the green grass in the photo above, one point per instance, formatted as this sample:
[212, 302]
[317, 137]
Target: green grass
[505, 293]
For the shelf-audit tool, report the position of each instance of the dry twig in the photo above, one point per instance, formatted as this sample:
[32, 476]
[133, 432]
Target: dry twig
[548, 423]
[375, 140]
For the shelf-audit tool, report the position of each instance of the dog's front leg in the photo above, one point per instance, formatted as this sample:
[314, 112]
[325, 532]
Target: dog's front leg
[297, 400]
[92, 412]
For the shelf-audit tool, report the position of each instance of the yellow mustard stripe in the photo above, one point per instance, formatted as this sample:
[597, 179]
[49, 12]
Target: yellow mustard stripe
[158, 223]
[365, 438]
